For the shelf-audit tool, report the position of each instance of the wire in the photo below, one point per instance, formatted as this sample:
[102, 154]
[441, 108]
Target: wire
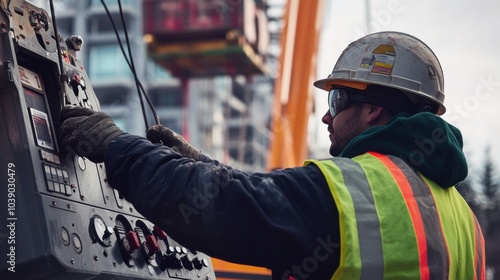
[62, 73]
[132, 66]
[140, 89]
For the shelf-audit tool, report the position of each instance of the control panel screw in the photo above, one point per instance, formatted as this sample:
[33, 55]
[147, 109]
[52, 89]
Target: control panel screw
[72, 261]
[54, 203]
[96, 258]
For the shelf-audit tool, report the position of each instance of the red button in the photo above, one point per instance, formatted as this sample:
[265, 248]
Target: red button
[159, 232]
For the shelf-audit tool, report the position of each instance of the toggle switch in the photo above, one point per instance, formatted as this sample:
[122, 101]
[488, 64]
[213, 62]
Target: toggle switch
[152, 245]
[131, 242]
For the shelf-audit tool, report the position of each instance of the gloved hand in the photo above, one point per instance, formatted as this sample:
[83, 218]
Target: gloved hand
[87, 132]
[166, 136]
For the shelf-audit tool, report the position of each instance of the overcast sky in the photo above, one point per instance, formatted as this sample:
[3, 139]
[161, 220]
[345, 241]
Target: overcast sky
[465, 37]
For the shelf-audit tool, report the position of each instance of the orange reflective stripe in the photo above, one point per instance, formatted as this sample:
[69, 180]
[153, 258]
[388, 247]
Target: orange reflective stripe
[438, 254]
[411, 203]
[480, 262]
[434, 248]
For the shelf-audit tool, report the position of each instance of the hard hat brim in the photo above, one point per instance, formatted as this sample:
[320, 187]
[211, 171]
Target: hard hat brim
[327, 84]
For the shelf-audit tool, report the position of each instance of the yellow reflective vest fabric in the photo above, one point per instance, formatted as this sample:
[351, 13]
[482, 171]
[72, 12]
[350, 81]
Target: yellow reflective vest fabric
[397, 224]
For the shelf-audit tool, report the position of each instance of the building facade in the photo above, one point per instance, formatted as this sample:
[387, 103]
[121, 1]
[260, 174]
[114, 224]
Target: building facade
[226, 117]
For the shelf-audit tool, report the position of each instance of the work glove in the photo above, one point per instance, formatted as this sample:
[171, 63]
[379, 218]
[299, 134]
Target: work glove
[87, 132]
[166, 136]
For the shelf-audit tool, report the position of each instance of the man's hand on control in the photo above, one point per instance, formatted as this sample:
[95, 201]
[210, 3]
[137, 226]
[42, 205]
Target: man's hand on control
[166, 136]
[87, 132]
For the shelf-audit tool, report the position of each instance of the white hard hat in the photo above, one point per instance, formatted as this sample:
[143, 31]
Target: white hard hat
[391, 59]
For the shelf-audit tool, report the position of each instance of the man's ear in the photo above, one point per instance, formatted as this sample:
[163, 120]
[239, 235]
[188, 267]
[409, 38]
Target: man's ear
[376, 115]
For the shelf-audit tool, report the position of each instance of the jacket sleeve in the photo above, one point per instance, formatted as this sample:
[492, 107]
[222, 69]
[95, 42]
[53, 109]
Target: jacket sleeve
[265, 219]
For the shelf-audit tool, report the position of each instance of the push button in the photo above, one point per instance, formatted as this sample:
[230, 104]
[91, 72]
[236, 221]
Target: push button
[59, 175]
[69, 191]
[57, 187]
[65, 176]
[53, 172]
[50, 186]
[48, 175]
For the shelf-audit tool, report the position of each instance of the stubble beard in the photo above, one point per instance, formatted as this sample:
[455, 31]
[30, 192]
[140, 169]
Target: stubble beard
[348, 132]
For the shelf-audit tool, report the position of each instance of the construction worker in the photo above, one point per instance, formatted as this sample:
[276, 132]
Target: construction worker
[384, 206]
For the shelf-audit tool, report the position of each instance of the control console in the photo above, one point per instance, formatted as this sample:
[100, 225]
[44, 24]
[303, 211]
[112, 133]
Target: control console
[59, 217]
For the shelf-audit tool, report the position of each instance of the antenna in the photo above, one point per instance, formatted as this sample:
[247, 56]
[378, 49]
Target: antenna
[368, 17]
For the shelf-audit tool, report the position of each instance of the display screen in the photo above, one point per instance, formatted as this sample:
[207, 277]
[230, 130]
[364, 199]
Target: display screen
[35, 101]
[42, 129]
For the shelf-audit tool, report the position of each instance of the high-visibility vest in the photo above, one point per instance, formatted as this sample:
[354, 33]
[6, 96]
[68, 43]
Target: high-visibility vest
[397, 224]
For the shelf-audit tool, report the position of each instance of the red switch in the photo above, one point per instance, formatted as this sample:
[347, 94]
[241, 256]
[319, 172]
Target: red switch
[159, 232]
[152, 244]
[133, 241]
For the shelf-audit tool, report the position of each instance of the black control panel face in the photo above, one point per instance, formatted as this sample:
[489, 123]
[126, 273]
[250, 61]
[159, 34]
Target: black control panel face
[59, 217]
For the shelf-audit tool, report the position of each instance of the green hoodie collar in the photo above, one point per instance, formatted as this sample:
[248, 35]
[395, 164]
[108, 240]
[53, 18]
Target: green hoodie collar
[424, 140]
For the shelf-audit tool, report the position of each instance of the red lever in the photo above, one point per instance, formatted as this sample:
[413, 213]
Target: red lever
[159, 232]
[133, 241]
[152, 244]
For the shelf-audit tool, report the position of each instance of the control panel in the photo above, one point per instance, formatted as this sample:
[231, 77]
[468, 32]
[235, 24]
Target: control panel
[59, 217]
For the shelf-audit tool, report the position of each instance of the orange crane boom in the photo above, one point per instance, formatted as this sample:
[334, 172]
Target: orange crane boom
[293, 98]
[293, 94]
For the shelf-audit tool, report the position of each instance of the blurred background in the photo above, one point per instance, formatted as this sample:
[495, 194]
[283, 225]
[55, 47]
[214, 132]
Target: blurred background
[234, 77]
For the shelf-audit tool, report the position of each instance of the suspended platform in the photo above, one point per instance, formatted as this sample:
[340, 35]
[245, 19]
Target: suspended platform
[207, 38]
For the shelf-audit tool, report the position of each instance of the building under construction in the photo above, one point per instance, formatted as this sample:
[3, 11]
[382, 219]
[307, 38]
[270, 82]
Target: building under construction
[217, 72]
[206, 67]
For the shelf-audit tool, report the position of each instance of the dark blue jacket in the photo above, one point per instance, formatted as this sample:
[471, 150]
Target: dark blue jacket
[285, 220]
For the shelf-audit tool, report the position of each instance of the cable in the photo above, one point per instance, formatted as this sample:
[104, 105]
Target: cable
[141, 91]
[140, 87]
[62, 74]
[132, 66]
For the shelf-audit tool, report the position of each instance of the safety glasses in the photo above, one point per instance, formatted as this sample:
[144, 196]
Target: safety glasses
[339, 99]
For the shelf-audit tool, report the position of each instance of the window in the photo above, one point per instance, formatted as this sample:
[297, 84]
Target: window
[170, 97]
[107, 62]
[112, 96]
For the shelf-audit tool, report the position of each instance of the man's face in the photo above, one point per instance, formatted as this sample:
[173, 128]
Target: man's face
[343, 127]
